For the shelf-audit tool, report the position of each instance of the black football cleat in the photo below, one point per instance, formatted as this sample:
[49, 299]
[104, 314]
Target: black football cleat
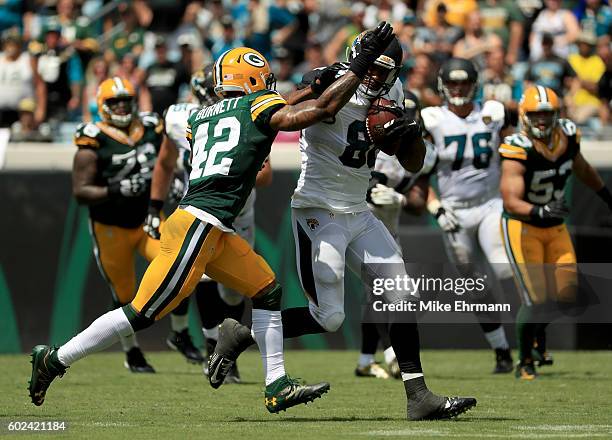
[503, 361]
[434, 407]
[136, 362]
[286, 392]
[233, 376]
[182, 342]
[45, 367]
[234, 338]
[525, 370]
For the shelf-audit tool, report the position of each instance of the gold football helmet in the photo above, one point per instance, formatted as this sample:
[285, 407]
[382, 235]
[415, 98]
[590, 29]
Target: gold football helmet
[242, 70]
[538, 111]
[117, 101]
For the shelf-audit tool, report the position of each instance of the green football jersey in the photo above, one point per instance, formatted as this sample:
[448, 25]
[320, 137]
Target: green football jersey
[229, 142]
[120, 157]
[546, 174]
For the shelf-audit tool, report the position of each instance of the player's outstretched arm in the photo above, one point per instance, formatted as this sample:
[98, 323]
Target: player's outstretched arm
[412, 154]
[591, 178]
[297, 117]
[416, 196]
[84, 170]
[163, 173]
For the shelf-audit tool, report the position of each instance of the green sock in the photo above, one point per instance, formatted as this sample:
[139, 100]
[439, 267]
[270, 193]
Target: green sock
[525, 332]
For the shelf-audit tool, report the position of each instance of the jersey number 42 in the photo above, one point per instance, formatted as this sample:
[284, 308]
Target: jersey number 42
[206, 149]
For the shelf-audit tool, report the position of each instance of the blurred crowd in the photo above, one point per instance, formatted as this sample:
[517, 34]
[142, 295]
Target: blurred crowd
[56, 52]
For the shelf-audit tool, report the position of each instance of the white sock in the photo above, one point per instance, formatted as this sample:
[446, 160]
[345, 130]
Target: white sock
[211, 333]
[267, 330]
[497, 339]
[365, 360]
[389, 355]
[129, 342]
[179, 322]
[102, 333]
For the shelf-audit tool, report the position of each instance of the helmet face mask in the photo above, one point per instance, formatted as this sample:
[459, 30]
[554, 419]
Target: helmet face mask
[117, 102]
[457, 81]
[385, 71]
[538, 111]
[203, 87]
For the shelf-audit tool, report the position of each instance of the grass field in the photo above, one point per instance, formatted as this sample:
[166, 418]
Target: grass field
[99, 399]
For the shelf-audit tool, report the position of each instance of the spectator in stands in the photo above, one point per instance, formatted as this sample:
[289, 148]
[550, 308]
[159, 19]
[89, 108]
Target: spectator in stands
[475, 45]
[97, 72]
[335, 50]
[457, 12]
[283, 66]
[504, 18]
[77, 30]
[10, 14]
[60, 68]
[129, 40]
[227, 41]
[313, 58]
[26, 129]
[550, 70]
[604, 87]
[421, 80]
[19, 79]
[589, 67]
[164, 78]
[129, 70]
[595, 17]
[560, 23]
[439, 39]
[499, 84]
[271, 24]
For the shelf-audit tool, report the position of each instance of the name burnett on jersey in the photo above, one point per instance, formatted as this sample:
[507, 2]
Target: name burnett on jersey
[220, 107]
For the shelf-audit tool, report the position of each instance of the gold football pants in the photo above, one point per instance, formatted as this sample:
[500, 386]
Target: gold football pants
[190, 248]
[543, 261]
[114, 249]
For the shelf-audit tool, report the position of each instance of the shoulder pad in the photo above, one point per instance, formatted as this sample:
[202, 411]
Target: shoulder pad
[569, 127]
[516, 146]
[493, 111]
[432, 117]
[267, 99]
[396, 93]
[86, 135]
[430, 160]
[151, 119]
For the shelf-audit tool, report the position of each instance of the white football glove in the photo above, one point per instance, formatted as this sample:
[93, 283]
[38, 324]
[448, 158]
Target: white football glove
[177, 189]
[131, 187]
[382, 195]
[444, 214]
[493, 111]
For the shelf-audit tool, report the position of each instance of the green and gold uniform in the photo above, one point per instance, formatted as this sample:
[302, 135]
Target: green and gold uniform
[229, 142]
[116, 223]
[536, 246]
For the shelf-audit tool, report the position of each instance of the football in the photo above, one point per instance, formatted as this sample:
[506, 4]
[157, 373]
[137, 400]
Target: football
[380, 113]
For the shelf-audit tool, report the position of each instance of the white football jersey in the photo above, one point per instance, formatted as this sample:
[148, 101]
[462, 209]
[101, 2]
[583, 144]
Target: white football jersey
[176, 129]
[467, 158]
[337, 158]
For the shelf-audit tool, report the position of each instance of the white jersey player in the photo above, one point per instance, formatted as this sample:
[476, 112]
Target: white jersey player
[334, 227]
[466, 136]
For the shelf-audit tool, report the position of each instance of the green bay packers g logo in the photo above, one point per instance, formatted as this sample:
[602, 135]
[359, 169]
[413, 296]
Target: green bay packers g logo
[254, 59]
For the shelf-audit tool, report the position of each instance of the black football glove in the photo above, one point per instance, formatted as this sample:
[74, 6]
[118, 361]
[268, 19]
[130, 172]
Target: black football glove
[153, 220]
[323, 78]
[556, 209]
[373, 44]
[131, 187]
[402, 127]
